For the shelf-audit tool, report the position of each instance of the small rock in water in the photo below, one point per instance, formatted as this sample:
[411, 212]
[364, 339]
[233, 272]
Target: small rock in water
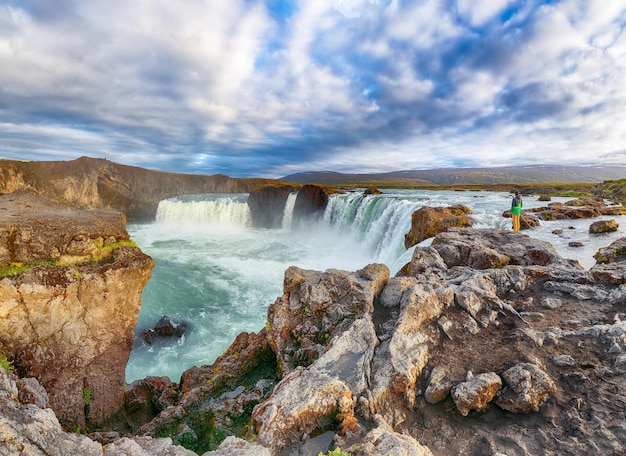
[165, 327]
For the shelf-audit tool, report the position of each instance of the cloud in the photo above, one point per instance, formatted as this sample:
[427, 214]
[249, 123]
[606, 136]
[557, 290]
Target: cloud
[252, 87]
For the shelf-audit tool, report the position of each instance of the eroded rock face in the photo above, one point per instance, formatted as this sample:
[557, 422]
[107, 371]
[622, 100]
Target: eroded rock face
[93, 183]
[29, 428]
[71, 326]
[315, 307]
[35, 229]
[213, 401]
[267, 204]
[311, 200]
[429, 221]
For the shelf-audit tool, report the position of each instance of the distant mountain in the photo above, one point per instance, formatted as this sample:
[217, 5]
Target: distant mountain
[534, 174]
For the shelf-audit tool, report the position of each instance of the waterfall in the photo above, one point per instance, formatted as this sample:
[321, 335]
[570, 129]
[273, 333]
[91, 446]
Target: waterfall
[214, 209]
[288, 212]
[378, 221]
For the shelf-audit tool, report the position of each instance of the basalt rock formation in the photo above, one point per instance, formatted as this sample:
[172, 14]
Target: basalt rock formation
[90, 183]
[70, 295]
[267, 202]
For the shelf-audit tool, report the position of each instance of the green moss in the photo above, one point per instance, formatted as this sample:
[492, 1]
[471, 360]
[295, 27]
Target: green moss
[5, 363]
[87, 395]
[335, 452]
[105, 250]
[101, 252]
[17, 268]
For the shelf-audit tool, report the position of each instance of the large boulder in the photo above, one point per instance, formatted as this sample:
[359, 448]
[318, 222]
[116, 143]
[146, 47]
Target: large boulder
[476, 392]
[614, 253]
[603, 226]
[315, 307]
[428, 221]
[527, 387]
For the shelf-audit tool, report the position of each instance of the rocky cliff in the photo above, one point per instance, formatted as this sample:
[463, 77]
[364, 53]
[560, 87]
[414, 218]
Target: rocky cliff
[90, 183]
[70, 294]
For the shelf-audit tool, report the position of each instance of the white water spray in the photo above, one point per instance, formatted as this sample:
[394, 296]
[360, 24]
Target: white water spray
[203, 209]
[288, 212]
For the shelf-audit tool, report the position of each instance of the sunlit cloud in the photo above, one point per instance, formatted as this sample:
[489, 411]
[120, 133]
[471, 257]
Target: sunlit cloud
[270, 87]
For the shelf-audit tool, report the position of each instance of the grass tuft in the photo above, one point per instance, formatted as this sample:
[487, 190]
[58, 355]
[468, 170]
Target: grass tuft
[5, 363]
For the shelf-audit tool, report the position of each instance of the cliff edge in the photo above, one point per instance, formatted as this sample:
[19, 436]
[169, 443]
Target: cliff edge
[70, 294]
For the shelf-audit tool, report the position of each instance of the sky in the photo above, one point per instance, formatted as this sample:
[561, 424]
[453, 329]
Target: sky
[267, 88]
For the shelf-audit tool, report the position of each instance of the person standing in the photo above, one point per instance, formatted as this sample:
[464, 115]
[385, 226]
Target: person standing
[516, 211]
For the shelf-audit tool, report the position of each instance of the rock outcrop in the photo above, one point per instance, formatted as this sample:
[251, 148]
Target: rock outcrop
[427, 221]
[267, 204]
[486, 342]
[70, 296]
[29, 428]
[311, 200]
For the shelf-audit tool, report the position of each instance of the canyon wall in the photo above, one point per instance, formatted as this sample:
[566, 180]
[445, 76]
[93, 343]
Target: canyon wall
[90, 183]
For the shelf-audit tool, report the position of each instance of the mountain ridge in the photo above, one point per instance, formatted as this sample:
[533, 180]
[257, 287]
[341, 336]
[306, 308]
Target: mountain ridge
[530, 174]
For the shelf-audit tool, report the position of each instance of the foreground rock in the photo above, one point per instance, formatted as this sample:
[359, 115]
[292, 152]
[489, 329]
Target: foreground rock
[28, 428]
[67, 319]
[488, 342]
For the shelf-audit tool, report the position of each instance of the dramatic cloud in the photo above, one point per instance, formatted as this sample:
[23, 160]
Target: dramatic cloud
[271, 87]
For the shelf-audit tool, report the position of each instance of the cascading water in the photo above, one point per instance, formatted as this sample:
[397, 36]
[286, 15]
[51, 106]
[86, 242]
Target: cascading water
[378, 222]
[218, 273]
[288, 212]
[213, 208]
